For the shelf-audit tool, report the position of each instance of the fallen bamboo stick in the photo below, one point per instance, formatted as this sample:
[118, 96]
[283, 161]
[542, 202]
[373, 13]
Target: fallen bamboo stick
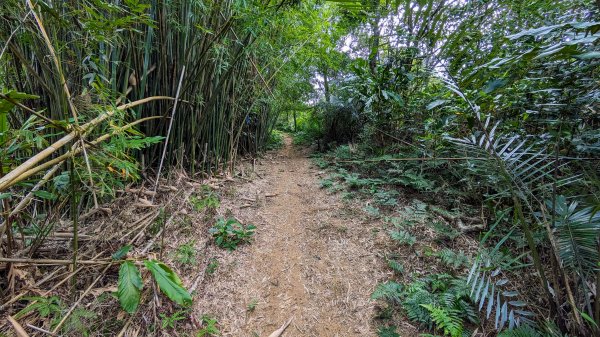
[52, 261]
[280, 331]
[75, 151]
[74, 306]
[68, 277]
[40, 330]
[14, 176]
[18, 328]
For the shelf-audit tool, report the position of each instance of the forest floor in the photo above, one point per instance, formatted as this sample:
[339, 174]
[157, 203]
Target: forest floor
[312, 260]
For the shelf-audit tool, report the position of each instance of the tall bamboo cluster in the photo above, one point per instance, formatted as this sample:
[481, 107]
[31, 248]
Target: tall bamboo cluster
[88, 91]
[222, 88]
[111, 52]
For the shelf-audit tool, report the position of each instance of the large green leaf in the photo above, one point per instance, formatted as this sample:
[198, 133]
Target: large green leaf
[5, 105]
[436, 103]
[130, 285]
[169, 282]
[45, 195]
[119, 254]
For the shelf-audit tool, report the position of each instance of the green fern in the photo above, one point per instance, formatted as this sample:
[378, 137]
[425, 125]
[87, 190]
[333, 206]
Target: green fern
[446, 320]
[79, 323]
[403, 237]
[389, 331]
[441, 291]
[395, 266]
[452, 259]
[47, 307]
[414, 309]
[414, 180]
[389, 291]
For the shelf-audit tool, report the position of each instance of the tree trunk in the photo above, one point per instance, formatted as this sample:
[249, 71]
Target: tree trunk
[374, 52]
[326, 86]
[295, 125]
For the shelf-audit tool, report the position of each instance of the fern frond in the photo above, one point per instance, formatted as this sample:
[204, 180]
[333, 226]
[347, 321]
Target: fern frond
[403, 237]
[414, 309]
[453, 259]
[395, 266]
[446, 320]
[389, 331]
[389, 291]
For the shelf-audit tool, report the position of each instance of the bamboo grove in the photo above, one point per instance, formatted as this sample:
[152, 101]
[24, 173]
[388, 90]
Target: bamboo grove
[71, 68]
[91, 89]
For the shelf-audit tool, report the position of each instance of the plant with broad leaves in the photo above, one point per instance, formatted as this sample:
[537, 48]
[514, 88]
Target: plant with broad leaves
[231, 233]
[131, 283]
[487, 292]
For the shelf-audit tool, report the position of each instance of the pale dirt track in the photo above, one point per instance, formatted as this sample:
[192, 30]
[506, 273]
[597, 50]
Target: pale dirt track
[312, 259]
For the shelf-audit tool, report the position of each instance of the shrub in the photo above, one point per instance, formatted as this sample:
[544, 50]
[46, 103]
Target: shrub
[231, 233]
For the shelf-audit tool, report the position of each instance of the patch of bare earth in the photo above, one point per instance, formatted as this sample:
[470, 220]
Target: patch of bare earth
[311, 260]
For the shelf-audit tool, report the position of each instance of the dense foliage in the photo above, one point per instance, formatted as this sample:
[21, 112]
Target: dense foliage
[489, 108]
[489, 105]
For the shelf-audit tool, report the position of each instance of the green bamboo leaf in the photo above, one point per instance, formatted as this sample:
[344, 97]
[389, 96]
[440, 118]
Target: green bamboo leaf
[6, 106]
[3, 126]
[45, 195]
[130, 285]
[588, 318]
[169, 282]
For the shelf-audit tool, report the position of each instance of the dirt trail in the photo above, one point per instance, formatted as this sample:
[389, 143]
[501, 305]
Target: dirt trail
[312, 259]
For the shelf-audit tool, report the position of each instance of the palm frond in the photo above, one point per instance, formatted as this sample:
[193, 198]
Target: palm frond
[576, 232]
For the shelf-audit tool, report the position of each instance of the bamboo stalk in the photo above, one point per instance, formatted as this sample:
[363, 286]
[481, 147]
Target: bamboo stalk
[168, 132]
[53, 261]
[18, 328]
[55, 60]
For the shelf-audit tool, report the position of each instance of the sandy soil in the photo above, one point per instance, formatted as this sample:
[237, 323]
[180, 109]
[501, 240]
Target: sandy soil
[312, 259]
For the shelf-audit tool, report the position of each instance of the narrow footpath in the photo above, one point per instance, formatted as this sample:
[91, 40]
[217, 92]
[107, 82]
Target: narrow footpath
[312, 259]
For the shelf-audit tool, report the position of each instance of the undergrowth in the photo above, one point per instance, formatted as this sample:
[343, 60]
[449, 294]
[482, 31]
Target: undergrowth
[401, 194]
[230, 233]
[275, 140]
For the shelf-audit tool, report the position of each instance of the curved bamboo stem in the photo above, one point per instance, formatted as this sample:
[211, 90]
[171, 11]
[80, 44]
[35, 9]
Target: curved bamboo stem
[16, 174]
